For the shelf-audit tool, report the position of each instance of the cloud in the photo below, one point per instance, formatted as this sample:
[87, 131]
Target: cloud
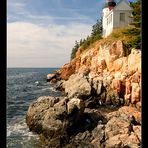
[32, 45]
[43, 33]
[78, 17]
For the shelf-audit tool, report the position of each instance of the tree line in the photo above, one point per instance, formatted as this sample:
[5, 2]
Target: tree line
[96, 34]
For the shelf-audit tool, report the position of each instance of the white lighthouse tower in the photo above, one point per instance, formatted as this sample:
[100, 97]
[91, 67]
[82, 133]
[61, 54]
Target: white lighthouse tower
[115, 15]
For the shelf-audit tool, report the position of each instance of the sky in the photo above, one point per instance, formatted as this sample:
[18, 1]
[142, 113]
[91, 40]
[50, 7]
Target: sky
[42, 33]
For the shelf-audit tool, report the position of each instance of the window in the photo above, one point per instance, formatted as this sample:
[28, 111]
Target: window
[122, 17]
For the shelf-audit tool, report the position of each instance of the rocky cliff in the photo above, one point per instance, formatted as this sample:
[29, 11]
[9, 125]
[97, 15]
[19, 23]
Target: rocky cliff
[109, 62]
[101, 106]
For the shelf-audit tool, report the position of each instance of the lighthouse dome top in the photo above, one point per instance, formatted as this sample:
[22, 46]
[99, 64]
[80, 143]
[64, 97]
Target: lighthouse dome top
[110, 3]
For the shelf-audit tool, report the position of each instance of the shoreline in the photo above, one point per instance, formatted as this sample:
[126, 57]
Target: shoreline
[95, 82]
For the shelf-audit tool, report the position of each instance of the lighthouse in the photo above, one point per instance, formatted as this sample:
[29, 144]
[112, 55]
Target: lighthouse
[108, 17]
[115, 15]
[110, 4]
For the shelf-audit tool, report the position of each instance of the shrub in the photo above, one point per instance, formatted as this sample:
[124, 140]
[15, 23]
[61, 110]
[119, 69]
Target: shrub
[91, 40]
[131, 31]
[134, 42]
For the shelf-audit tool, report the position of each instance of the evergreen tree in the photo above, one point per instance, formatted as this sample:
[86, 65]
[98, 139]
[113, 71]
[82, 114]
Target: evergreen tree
[136, 14]
[74, 50]
[95, 35]
[97, 28]
[81, 42]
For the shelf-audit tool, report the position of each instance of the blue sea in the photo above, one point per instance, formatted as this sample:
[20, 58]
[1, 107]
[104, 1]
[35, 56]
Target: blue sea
[25, 85]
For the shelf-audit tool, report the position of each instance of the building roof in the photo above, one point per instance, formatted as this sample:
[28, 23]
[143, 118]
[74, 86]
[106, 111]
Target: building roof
[122, 5]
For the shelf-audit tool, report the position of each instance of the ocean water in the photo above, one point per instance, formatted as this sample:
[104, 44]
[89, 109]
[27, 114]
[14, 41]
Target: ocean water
[25, 85]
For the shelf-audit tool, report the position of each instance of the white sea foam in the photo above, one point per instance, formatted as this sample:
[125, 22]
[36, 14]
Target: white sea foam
[19, 128]
[53, 89]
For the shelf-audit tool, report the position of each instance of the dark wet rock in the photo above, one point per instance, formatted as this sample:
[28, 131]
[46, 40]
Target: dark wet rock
[112, 98]
[61, 121]
[50, 77]
[92, 102]
[53, 77]
[51, 116]
[87, 121]
[82, 140]
[59, 85]
[66, 123]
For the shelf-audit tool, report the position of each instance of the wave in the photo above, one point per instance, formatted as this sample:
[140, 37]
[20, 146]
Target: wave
[24, 86]
[18, 135]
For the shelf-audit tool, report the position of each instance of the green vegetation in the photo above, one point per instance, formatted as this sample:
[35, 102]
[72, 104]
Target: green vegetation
[96, 34]
[91, 40]
[135, 38]
[136, 14]
[74, 50]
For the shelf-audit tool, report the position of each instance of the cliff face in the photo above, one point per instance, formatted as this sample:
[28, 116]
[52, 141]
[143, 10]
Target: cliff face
[109, 62]
[102, 102]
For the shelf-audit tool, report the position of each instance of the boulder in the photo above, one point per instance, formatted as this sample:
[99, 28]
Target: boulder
[131, 112]
[116, 126]
[112, 98]
[53, 78]
[116, 49]
[101, 65]
[134, 61]
[52, 116]
[50, 77]
[118, 64]
[75, 102]
[77, 86]
[135, 94]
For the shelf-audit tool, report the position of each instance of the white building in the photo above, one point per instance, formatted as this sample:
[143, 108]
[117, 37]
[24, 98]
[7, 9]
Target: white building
[115, 16]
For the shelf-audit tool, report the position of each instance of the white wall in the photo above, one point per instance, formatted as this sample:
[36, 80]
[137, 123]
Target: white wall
[116, 21]
[121, 7]
[107, 22]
